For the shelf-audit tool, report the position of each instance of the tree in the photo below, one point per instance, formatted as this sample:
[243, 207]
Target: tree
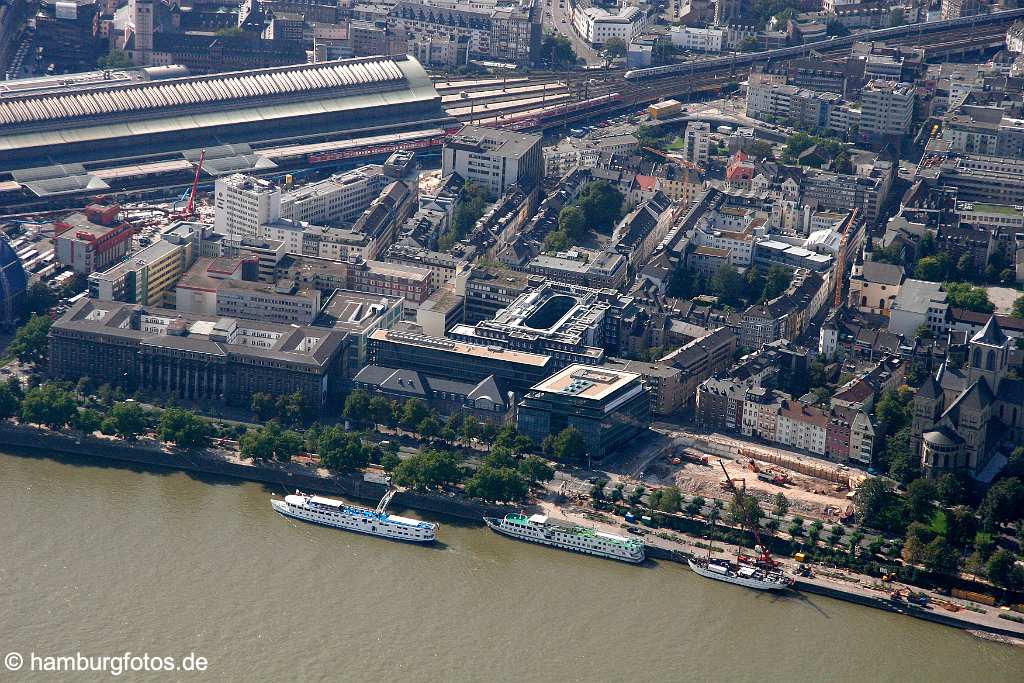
[556, 241]
[835, 534]
[357, 407]
[569, 446]
[381, 411]
[413, 412]
[293, 408]
[918, 537]
[127, 420]
[1018, 307]
[497, 484]
[512, 440]
[429, 427]
[904, 464]
[500, 457]
[270, 441]
[951, 489]
[636, 496]
[796, 527]
[48, 405]
[920, 495]
[39, 298]
[615, 48]
[558, 49]
[776, 282]
[87, 420]
[342, 451]
[964, 295]
[389, 461]
[470, 429]
[601, 205]
[571, 222]
[667, 499]
[940, 558]
[31, 342]
[797, 144]
[428, 469]
[262, 405]
[934, 268]
[877, 505]
[893, 409]
[10, 405]
[744, 511]
[1000, 569]
[1004, 502]
[536, 469]
[780, 504]
[728, 285]
[115, 59]
[184, 428]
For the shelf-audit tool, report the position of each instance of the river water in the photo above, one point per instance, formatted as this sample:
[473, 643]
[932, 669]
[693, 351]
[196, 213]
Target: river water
[102, 560]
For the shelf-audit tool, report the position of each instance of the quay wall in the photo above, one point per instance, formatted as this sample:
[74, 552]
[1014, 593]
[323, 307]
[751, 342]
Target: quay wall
[284, 476]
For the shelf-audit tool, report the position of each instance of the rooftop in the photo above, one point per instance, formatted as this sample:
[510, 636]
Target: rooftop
[462, 348]
[588, 382]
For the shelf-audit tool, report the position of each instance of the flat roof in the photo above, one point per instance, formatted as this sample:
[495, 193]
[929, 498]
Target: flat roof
[462, 348]
[587, 381]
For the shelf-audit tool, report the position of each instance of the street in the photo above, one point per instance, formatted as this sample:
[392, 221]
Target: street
[556, 15]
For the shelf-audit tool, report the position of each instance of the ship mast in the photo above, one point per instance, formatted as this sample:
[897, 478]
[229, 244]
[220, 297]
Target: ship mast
[764, 556]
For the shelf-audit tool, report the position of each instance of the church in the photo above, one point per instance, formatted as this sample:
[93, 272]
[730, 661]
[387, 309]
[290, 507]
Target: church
[962, 415]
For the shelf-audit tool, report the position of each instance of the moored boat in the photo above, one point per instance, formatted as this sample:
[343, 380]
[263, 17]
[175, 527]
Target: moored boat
[758, 578]
[568, 536]
[341, 515]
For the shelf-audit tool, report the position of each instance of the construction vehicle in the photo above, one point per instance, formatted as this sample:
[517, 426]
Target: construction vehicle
[190, 209]
[764, 557]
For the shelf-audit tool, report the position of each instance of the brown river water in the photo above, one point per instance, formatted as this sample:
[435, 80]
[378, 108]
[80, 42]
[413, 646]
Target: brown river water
[103, 560]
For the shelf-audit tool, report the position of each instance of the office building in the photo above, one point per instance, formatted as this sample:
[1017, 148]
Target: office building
[494, 159]
[608, 407]
[92, 241]
[887, 108]
[243, 203]
[340, 198]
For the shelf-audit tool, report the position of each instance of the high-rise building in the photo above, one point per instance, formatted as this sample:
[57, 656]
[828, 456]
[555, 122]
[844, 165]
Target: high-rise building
[243, 203]
[494, 159]
[886, 108]
[698, 142]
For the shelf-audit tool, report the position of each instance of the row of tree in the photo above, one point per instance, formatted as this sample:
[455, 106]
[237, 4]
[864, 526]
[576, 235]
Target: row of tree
[597, 207]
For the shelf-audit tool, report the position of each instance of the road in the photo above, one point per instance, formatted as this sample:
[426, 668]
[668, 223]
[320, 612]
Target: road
[556, 15]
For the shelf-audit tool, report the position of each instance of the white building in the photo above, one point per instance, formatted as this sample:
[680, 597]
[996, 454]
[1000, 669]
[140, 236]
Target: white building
[886, 108]
[802, 426]
[597, 26]
[698, 39]
[918, 303]
[342, 197]
[697, 140]
[243, 203]
[494, 159]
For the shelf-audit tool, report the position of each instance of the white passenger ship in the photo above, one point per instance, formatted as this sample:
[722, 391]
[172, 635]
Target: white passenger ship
[562, 534]
[742, 575]
[335, 513]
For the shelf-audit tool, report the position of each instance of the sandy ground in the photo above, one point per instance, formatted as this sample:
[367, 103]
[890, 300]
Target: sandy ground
[1002, 298]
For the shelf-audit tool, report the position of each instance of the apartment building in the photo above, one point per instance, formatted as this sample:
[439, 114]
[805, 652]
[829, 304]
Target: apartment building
[697, 139]
[494, 159]
[597, 25]
[887, 108]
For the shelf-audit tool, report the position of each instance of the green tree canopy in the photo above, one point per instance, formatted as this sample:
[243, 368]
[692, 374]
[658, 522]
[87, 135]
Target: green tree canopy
[342, 451]
[357, 406]
[184, 428]
[126, 419]
[31, 342]
[536, 469]
[48, 405]
[1004, 502]
[744, 511]
[497, 484]
[615, 48]
[878, 506]
[87, 421]
[271, 441]
[413, 412]
[568, 446]
[430, 468]
[115, 59]
[10, 404]
[964, 295]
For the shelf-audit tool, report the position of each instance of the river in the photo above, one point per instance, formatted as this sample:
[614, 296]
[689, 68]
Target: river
[102, 560]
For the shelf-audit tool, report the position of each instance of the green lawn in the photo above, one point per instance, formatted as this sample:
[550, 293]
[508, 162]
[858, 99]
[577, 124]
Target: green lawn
[938, 524]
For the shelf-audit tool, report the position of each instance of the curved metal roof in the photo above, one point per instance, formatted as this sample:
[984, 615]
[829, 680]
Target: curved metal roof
[205, 89]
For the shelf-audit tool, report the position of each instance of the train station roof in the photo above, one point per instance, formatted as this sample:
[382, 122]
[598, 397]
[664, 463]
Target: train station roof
[216, 101]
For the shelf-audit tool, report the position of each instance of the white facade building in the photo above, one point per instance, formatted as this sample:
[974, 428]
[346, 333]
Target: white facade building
[243, 203]
[698, 39]
[342, 197]
[698, 142]
[597, 26]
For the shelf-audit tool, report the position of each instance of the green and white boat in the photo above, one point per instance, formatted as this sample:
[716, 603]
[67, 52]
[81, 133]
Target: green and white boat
[568, 536]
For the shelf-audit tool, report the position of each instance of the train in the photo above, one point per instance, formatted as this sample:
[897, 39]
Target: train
[536, 119]
[748, 59]
[411, 142]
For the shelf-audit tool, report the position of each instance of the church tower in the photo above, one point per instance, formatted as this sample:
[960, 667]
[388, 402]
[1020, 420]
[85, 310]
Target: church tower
[988, 355]
[140, 26]
[929, 402]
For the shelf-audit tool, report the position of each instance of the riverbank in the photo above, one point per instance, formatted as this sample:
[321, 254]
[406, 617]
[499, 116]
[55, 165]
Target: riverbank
[286, 477]
[839, 585]
[291, 476]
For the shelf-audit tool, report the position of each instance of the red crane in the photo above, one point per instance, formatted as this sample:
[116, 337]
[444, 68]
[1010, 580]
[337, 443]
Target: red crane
[190, 208]
[764, 557]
